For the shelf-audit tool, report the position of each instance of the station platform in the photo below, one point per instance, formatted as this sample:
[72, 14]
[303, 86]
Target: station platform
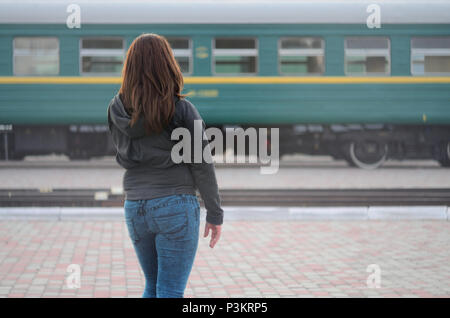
[265, 251]
[252, 259]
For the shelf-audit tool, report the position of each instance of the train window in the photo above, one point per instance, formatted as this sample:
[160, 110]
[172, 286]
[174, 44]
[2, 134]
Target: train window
[101, 56]
[301, 55]
[36, 56]
[367, 56]
[182, 50]
[235, 56]
[430, 55]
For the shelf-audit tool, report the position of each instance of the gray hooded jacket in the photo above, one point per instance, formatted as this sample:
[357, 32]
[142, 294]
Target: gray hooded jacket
[150, 171]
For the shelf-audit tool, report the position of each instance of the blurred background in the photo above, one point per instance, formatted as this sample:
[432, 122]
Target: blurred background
[333, 83]
[359, 90]
[352, 86]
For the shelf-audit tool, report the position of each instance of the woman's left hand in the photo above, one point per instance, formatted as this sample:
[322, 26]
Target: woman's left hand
[215, 233]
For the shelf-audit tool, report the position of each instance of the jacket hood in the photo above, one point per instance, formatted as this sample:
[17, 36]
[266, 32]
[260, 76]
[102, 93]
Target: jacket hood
[134, 147]
[118, 116]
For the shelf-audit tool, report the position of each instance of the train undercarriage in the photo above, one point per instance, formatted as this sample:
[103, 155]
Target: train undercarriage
[365, 146]
[368, 146]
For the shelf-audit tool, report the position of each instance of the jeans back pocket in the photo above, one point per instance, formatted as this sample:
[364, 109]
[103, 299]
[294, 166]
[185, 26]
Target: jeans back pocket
[172, 222]
[135, 219]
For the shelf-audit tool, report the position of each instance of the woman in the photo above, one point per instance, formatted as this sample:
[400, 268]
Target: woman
[161, 206]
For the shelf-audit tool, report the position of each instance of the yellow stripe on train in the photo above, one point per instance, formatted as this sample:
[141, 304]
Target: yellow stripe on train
[235, 80]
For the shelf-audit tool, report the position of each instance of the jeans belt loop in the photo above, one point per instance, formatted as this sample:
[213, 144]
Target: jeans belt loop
[141, 210]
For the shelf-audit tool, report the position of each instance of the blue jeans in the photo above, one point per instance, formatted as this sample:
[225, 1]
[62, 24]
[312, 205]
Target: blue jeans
[164, 232]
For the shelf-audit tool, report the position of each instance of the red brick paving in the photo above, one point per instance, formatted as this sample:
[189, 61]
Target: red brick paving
[253, 259]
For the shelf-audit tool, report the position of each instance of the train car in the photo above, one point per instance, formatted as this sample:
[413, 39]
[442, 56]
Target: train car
[363, 81]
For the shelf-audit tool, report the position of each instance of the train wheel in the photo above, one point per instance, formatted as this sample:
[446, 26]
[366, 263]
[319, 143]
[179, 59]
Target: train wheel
[444, 158]
[366, 154]
[345, 153]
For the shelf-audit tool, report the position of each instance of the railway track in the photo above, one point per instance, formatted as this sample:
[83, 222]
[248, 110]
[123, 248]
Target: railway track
[109, 164]
[236, 197]
[301, 162]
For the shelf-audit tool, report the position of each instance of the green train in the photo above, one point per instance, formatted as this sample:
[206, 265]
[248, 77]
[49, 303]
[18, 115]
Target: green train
[363, 81]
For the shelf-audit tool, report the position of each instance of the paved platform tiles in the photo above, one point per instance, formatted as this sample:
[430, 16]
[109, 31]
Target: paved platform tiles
[273, 258]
